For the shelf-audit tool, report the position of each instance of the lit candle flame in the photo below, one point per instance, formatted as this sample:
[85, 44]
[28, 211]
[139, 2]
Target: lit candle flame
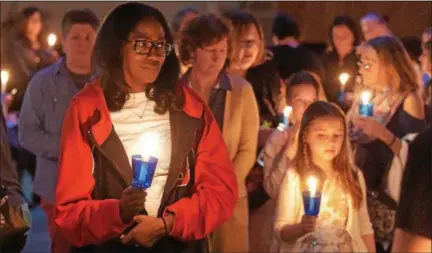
[366, 97]
[52, 39]
[148, 145]
[4, 79]
[287, 111]
[343, 78]
[312, 185]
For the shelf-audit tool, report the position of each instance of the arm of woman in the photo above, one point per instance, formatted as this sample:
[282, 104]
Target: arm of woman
[81, 220]
[405, 241]
[274, 163]
[215, 190]
[287, 226]
[366, 230]
[247, 148]
[413, 106]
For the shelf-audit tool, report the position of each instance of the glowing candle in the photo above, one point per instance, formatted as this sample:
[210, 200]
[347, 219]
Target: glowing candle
[286, 114]
[343, 79]
[4, 80]
[52, 39]
[311, 199]
[145, 162]
[366, 107]
[312, 186]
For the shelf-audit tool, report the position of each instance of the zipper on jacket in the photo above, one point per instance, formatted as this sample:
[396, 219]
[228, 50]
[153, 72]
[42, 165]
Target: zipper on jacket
[113, 164]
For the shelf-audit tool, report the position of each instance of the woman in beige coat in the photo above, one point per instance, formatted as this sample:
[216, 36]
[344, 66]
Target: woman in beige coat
[205, 45]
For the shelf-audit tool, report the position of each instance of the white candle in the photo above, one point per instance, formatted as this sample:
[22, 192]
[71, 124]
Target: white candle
[366, 97]
[147, 146]
[312, 186]
[343, 79]
[4, 80]
[287, 112]
[52, 39]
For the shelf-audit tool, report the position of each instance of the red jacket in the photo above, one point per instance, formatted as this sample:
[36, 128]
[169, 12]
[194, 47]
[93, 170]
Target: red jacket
[85, 221]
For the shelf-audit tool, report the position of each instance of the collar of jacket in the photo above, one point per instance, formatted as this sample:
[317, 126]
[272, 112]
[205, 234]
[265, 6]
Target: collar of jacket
[92, 96]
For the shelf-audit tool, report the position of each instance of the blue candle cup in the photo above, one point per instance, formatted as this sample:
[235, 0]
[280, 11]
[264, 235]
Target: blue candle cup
[341, 97]
[311, 203]
[143, 171]
[366, 109]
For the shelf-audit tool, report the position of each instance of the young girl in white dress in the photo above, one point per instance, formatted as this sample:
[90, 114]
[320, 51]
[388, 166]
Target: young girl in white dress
[323, 152]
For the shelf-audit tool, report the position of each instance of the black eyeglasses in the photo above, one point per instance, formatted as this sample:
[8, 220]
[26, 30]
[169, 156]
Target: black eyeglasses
[143, 47]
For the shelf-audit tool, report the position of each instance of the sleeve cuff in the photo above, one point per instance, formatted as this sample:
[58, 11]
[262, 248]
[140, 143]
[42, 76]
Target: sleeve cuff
[113, 216]
[176, 230]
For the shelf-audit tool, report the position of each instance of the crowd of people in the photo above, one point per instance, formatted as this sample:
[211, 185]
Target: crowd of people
[260, 148]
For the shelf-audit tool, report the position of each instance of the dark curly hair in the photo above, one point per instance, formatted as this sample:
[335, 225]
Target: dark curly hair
[108, 61]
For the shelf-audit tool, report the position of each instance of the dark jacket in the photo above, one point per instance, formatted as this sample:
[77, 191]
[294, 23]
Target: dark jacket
[9, 179]
[201, 186]
[8, 174]
[290, 60]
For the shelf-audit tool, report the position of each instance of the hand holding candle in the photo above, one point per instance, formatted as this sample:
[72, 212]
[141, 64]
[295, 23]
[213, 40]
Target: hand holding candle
[131, 203]
[144, 163]
[366, 107]
[312, 199]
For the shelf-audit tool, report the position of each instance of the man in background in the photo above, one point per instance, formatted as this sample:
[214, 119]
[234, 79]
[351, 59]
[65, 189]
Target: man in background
[290, 56]
[46, 100]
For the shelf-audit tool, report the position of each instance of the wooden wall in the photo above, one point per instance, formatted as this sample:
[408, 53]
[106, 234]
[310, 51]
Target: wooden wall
[407, 18]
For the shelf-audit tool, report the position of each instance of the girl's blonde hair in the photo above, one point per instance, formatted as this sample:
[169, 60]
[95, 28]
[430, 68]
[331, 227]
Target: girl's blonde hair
[343, 162]
[396, 62]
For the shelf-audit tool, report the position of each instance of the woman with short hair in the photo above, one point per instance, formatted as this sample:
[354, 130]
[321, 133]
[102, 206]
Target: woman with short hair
[205, 45]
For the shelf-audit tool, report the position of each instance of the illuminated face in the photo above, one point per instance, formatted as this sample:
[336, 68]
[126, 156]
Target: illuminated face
[300, 98]
[145, 53]
[371, 70]
[325, 138]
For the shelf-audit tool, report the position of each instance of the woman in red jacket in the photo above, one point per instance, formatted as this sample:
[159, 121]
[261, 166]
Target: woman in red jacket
[137, 93]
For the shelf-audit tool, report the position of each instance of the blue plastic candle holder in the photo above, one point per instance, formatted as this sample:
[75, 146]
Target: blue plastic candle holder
[366, 109]
[143, 171]
[311, 203]
[341, 97]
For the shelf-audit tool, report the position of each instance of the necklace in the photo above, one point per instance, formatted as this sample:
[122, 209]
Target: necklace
[143, 113]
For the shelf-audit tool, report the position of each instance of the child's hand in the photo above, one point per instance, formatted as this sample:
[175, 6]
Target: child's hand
[308, 223]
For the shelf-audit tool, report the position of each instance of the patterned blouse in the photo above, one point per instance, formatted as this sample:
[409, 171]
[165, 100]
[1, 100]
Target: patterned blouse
[331, 234]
